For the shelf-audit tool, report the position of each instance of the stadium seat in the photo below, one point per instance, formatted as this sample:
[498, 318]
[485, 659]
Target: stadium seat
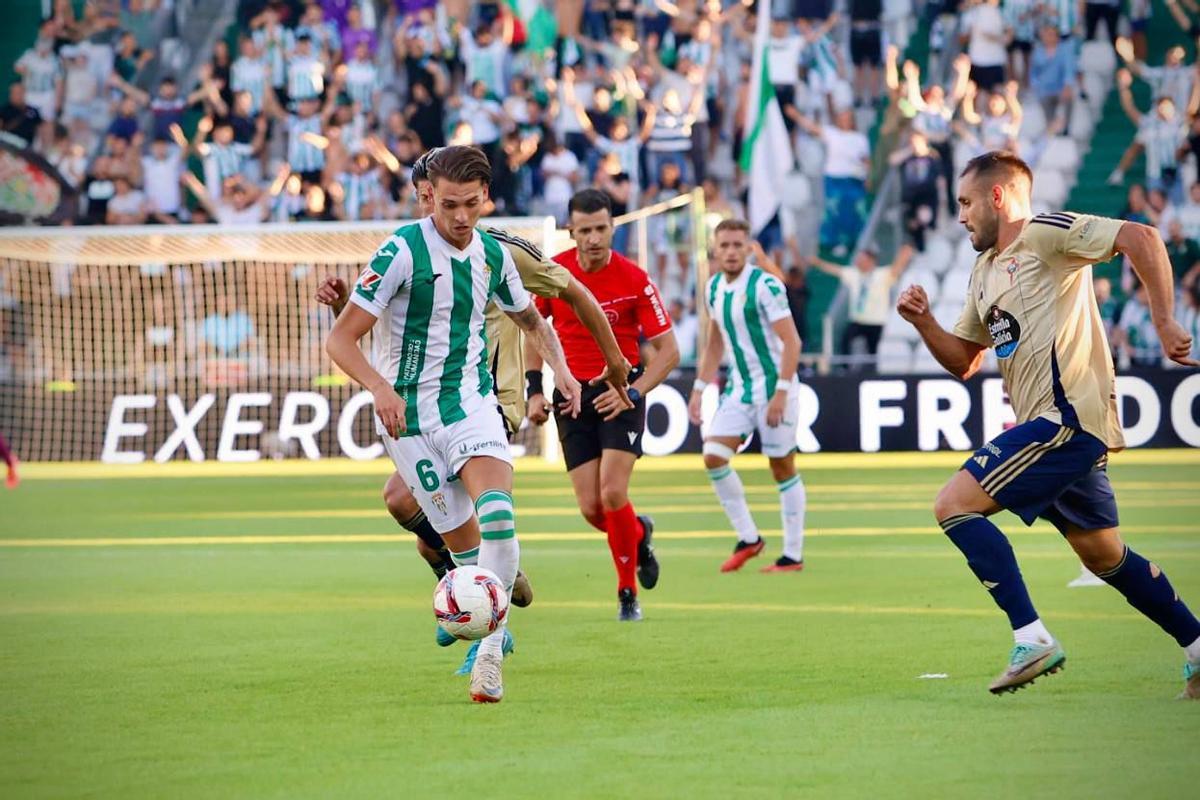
[1049, 186]
[1098, 58]
[895, 357]
[797, 192]
[923, 277]
[1061, 154]
[1033, 123]
[964, 257]
[939, 254]
[1082, 122]
[897, 329]
[954, 285]
[1097, 91]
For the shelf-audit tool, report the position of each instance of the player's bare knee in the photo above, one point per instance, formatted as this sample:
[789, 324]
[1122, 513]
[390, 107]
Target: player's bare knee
[782, 469]
[613, 497]
[714, 461]
[399, 500]
[947, 504]
[1099, 551]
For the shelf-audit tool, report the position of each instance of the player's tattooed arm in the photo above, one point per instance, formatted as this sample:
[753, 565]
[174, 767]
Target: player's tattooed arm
[539, 333]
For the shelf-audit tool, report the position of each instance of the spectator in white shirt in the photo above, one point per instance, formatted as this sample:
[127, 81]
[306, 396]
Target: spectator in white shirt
[869, 293]
[560, 171]
[161, 171]
[127, 205]
[983, 33]
[847, 167]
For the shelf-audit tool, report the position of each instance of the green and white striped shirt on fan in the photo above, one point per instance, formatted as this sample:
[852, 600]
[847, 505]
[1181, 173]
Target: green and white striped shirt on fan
[745, 309]
[429, 299]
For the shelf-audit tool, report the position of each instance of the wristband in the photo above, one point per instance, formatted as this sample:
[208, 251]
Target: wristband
[533, 383]
[699, 385]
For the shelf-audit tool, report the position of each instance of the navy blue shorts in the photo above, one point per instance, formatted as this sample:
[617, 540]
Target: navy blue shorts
[1043, 469]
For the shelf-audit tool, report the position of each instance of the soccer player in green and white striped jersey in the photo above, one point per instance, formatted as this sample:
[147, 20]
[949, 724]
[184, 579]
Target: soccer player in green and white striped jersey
[749, 317]
[424, 293]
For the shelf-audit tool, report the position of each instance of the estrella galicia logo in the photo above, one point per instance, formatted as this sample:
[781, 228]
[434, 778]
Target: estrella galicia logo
[1005, 332]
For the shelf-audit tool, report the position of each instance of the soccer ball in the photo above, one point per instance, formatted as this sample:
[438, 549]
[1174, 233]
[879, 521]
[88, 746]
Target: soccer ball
[470, 602]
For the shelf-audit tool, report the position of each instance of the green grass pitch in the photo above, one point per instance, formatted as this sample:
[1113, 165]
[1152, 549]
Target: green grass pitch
[247, 661]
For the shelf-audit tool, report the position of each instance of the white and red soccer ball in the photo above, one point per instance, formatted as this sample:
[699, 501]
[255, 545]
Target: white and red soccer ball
[470, 603]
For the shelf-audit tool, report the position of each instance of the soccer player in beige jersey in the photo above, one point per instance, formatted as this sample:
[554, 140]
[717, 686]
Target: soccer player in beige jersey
[1031, 300]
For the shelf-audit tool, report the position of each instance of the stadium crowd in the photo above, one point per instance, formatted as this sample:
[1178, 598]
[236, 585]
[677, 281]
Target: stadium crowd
[316, 110]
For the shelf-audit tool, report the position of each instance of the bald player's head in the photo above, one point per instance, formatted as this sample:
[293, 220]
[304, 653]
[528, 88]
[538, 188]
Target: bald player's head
[993, 186]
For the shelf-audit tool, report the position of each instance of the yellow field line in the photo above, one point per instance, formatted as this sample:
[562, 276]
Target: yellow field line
[238, 604]
[569, 511]
[532, 465]
[814, 489]
[557, 536]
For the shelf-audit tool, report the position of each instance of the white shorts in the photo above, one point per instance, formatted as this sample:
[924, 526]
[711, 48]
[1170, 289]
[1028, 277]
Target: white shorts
[737, 419]
[430, 462]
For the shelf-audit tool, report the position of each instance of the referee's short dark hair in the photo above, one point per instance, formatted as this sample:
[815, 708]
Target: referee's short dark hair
[998, 165]
[589, 201]
[460, 163]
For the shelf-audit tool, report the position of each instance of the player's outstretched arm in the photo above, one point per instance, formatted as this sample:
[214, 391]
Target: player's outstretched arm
[960, 357]
[1144, 247]
[342, 347]
[617, 368]
[539, 333]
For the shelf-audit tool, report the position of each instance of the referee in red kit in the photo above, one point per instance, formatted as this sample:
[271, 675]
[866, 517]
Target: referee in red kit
[602, 444]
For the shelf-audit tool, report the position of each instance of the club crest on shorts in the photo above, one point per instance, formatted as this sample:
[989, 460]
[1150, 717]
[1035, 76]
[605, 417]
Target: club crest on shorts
[439, 500]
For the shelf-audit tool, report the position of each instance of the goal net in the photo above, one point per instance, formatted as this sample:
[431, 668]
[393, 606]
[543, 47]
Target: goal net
[131, 344]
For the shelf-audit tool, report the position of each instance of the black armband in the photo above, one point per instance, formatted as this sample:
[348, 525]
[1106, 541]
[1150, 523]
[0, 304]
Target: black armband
[533, 383]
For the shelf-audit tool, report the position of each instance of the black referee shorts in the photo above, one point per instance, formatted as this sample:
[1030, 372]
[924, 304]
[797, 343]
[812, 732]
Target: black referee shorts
[584, 437]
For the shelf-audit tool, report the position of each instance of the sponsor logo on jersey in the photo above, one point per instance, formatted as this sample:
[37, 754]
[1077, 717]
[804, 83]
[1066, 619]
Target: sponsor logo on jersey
[370, 279]
[475, 447]
[1004, 330]
[659, 312]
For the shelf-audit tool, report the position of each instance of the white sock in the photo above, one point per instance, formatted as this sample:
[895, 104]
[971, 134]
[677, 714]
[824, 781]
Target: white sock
[1033, 633]
[792, 498]
[1193, 651]
[499, 551]
[733, 499]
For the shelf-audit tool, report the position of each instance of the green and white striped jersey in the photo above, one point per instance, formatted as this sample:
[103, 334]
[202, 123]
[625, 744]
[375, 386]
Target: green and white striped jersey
[745, 309]
[429, 298]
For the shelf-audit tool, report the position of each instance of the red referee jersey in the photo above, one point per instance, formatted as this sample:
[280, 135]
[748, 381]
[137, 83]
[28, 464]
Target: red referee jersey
[630, 301]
